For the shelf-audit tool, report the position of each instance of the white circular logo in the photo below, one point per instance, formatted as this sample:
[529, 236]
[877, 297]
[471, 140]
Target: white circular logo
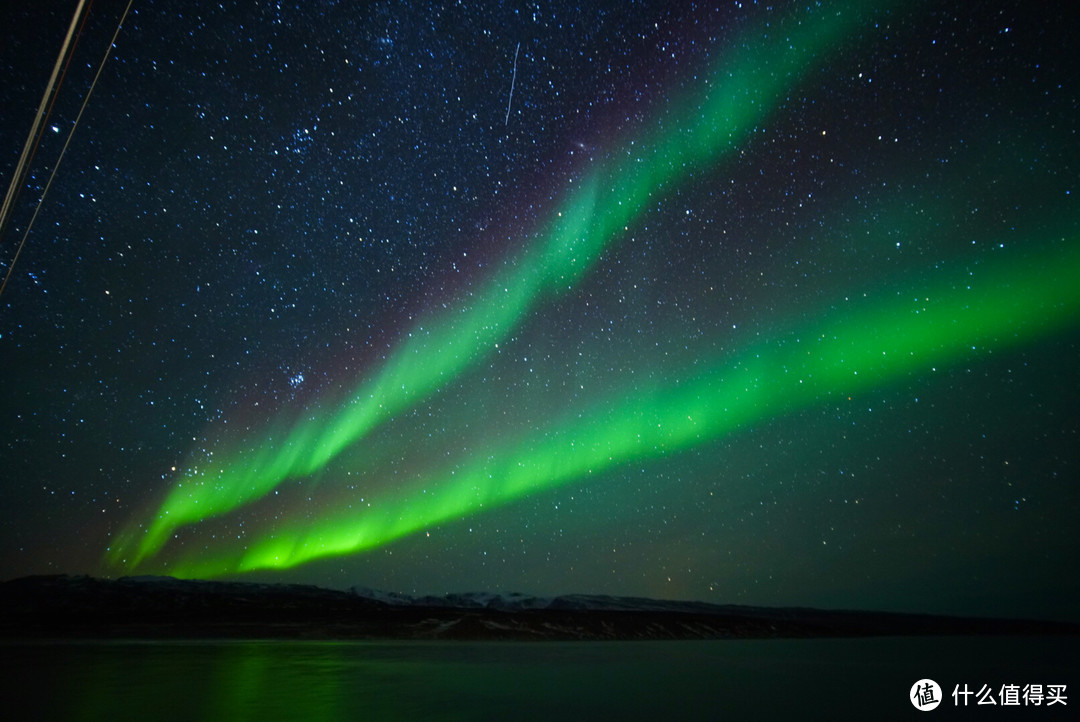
[925, 695]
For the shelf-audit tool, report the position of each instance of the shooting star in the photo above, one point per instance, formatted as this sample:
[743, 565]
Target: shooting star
[512, 79]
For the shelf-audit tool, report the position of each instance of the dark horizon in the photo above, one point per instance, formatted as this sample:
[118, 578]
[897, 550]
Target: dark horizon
[74, 608]
[1068, 618]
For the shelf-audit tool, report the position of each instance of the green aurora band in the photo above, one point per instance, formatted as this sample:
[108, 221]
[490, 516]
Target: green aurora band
[953, 319]
[745, 86]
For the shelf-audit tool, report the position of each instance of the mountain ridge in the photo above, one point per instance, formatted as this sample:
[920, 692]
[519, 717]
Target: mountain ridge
[60, 606]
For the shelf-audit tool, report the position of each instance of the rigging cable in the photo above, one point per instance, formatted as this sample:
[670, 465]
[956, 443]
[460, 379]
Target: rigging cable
[32, 140]
[30, 146]
[37, 130]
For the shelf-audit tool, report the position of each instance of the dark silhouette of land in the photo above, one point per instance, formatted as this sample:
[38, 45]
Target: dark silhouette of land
[162, 607]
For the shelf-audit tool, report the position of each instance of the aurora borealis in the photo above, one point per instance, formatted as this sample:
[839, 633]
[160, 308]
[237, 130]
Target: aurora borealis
[596, 210]
[949, 322]
[773, 305]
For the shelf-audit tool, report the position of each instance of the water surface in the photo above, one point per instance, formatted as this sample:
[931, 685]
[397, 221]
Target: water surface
[732, 679]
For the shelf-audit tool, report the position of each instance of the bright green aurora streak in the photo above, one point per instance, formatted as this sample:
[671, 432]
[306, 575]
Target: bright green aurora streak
[930, 326]
[748, 83]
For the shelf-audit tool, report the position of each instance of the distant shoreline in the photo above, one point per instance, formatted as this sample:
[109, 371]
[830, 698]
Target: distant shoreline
[67, 607]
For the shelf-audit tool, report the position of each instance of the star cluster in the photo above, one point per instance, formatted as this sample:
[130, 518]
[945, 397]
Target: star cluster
[763, 304]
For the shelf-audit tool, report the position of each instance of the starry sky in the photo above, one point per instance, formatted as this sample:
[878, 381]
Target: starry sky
[750, 303]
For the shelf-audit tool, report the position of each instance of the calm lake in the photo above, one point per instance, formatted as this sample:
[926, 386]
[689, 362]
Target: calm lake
[736, 679]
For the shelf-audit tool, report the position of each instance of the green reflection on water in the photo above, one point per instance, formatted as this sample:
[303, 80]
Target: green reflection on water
[303, 680]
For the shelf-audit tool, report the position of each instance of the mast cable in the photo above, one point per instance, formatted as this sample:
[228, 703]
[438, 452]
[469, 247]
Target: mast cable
[29, 148]
[35, 135]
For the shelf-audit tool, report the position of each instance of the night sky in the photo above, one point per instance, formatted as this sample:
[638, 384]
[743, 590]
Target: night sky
[744, 303]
